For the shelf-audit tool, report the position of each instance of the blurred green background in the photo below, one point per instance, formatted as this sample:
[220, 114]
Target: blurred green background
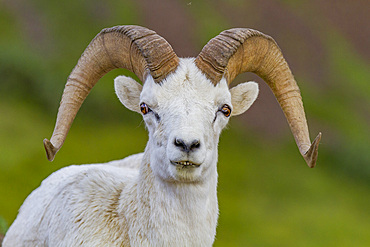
[267, 195]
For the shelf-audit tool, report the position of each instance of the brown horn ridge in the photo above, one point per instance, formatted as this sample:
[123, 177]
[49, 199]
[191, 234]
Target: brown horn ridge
[135, 48]
[240, 50]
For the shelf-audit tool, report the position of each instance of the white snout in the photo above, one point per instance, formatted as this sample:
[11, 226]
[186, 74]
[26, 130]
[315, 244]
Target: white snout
[186, 147]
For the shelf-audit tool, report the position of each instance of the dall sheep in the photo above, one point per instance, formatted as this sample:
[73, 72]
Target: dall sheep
[167, 195]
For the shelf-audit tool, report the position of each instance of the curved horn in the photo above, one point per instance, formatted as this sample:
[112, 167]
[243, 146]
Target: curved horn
[240, 50]
[135, 48]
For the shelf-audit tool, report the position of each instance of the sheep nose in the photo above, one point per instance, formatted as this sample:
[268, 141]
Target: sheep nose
[187, 146]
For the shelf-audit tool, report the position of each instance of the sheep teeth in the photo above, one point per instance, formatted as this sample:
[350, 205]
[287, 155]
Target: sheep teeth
[185, 163]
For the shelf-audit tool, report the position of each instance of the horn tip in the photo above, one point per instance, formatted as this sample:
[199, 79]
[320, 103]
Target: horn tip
[50, 150]
[311, 155]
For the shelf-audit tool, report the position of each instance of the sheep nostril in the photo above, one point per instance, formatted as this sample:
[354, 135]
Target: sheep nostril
[180, 143]
[195, 144]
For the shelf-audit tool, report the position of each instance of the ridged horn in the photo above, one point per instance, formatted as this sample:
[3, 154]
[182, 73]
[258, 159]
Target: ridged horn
[240, 50]
[135, 48]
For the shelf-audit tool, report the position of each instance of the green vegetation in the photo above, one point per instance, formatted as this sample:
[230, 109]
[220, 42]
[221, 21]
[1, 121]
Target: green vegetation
[3, 226]
[267, 195]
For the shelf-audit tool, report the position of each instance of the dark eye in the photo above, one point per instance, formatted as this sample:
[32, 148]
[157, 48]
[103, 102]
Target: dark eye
[144, 108]
[226, 110]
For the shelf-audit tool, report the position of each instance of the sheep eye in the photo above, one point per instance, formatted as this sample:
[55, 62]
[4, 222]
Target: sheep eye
[226, 110]
[144, 108]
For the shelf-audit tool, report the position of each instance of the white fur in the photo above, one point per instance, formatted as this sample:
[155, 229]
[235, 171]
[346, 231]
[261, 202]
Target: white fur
[142, 200]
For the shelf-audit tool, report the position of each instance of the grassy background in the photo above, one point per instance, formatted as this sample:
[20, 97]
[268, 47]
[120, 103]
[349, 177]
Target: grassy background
[267, 196]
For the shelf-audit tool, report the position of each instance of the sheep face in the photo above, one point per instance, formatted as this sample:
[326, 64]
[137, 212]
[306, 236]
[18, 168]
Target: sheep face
[184, 115]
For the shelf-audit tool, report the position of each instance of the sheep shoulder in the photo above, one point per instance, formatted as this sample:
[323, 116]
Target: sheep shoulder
[77, 204]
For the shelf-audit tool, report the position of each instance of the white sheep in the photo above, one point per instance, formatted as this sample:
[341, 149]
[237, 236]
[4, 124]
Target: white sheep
[167, 195]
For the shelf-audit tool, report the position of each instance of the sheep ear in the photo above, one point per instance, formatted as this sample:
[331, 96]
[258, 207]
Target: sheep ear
[128, 91]
[242, 97]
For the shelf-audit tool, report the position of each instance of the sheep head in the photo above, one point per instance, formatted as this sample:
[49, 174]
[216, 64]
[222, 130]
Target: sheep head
[185, 103]
[184, 115]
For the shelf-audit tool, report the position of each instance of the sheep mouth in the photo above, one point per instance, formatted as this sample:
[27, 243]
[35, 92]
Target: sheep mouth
[185, 164]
